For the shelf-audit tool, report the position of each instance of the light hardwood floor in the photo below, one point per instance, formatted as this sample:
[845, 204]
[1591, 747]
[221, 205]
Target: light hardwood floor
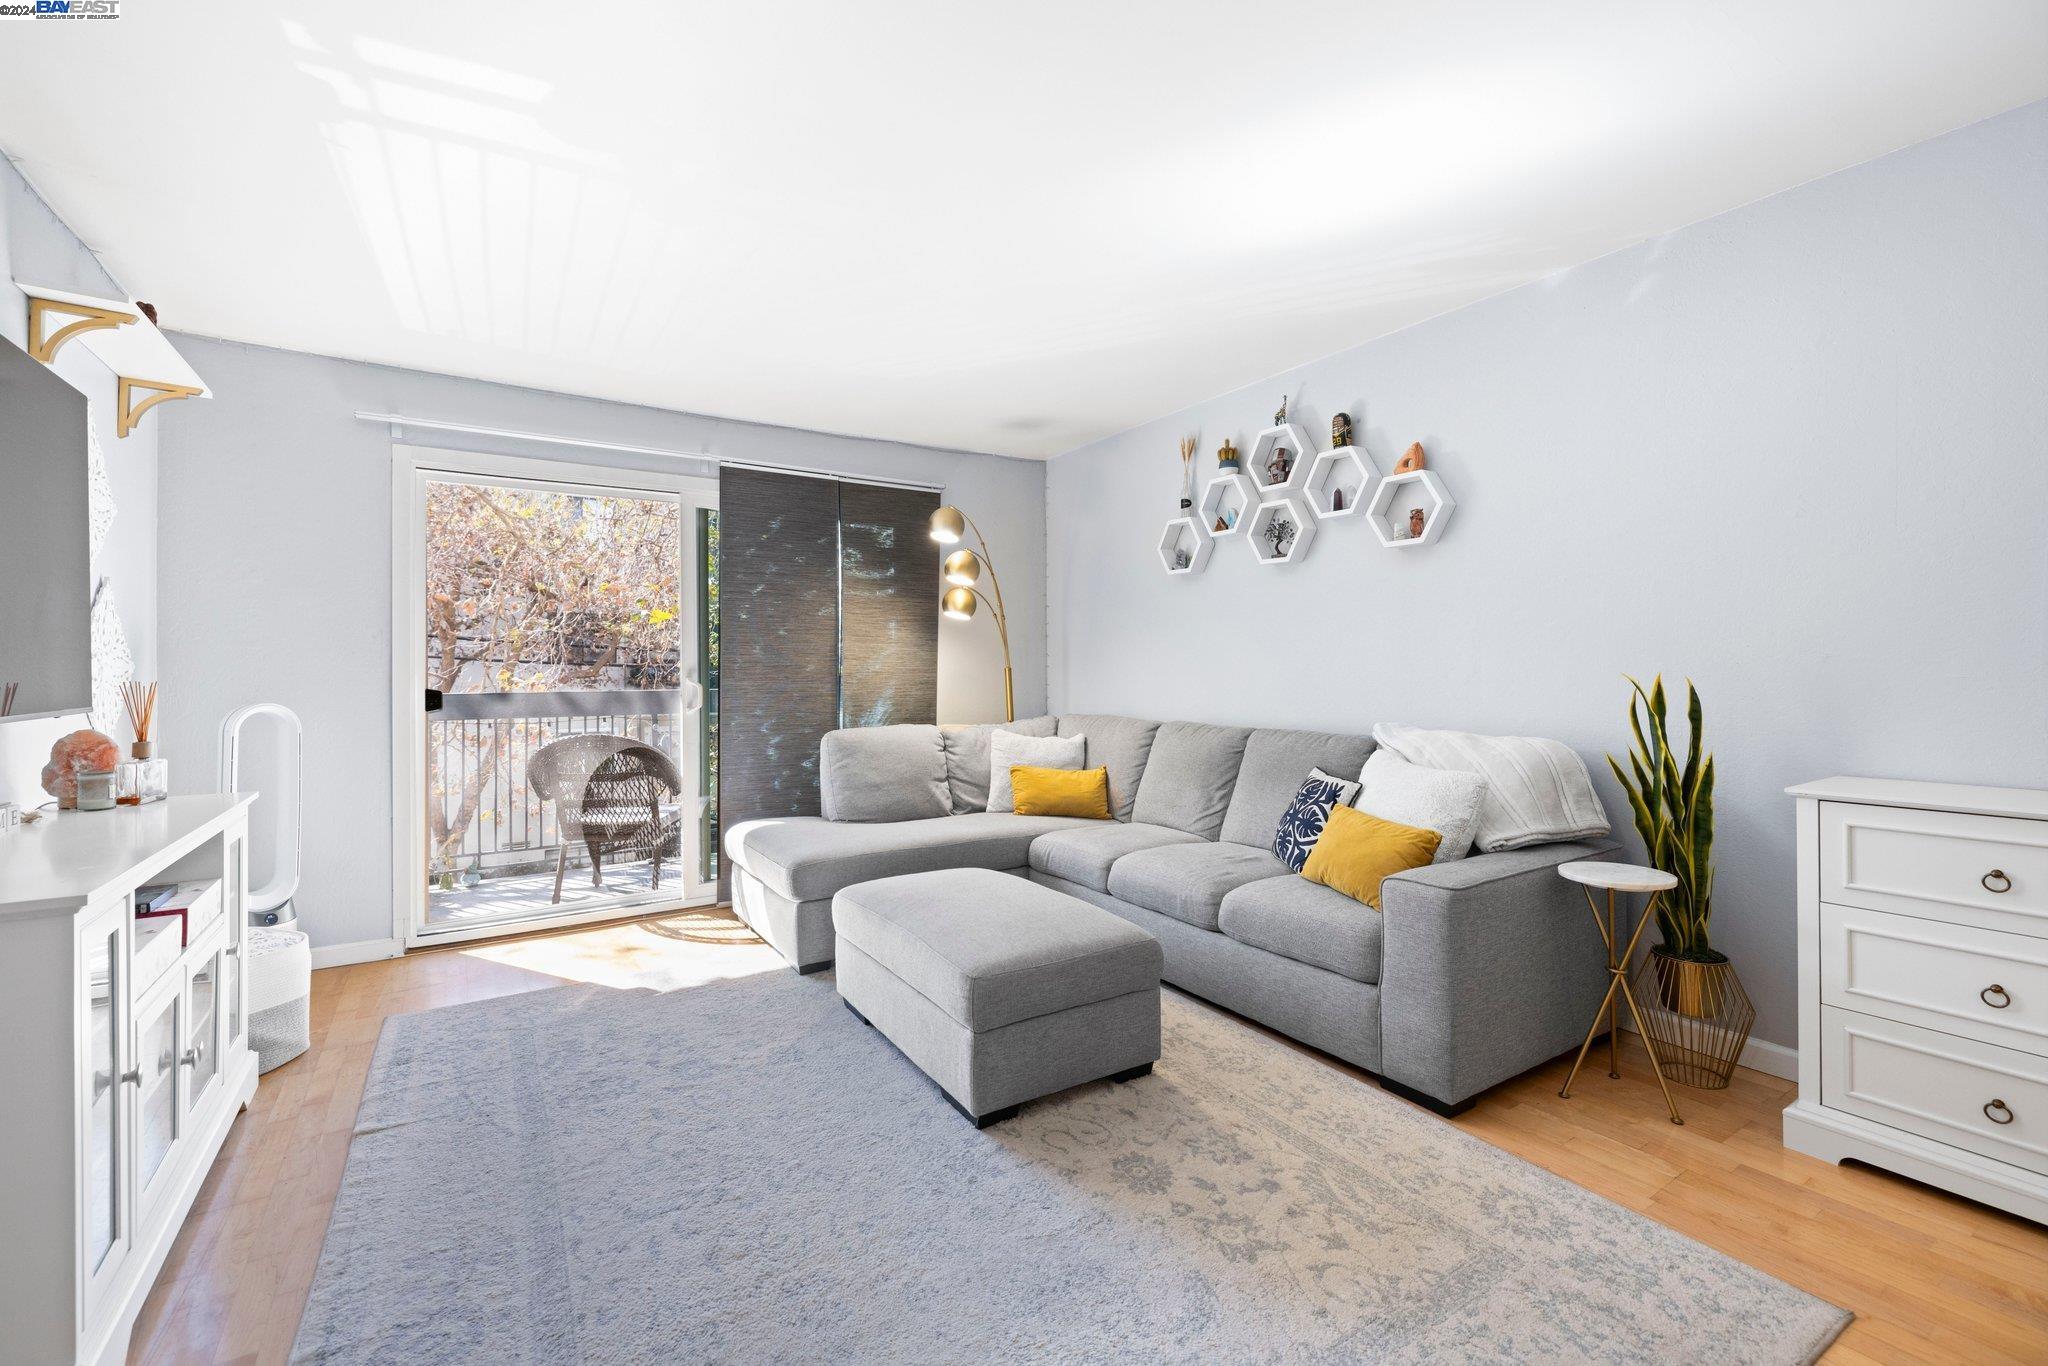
[1931, 1277]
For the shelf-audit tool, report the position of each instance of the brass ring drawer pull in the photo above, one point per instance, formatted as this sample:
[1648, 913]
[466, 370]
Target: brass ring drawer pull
[2005, 883]
[2002, 1108]
[2004, 998]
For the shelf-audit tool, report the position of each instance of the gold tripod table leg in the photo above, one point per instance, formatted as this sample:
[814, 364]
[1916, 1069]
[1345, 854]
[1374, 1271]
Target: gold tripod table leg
[1613, 1006]
[1565, 1091]
[1650, 1046]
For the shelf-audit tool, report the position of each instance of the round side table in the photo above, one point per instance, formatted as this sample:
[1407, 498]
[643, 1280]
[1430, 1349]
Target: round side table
[1612, 878]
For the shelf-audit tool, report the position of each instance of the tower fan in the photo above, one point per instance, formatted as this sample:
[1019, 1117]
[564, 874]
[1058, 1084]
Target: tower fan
[262, 749]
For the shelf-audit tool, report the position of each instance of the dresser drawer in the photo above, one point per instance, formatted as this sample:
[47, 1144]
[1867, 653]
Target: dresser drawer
[1989, 871]
[1986, 984]
[1987, 1100]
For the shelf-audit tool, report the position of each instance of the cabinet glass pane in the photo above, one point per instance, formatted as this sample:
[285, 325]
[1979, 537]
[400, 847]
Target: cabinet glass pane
[205, 1001]
[238, 932]
[103, 1202]
[157, 1059]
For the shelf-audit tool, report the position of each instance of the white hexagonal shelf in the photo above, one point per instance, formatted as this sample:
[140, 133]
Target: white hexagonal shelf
[1259, 464]
[1400, 494]
[1340, 473]
[1287, 511]
[1228, 497]
[1183, 546]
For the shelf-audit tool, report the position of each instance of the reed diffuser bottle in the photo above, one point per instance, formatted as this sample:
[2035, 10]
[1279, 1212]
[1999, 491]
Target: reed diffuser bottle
[142, 777]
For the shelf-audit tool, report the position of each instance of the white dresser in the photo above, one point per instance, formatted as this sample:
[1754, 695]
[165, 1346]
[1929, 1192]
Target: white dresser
[128, 1060]
[1923, 984]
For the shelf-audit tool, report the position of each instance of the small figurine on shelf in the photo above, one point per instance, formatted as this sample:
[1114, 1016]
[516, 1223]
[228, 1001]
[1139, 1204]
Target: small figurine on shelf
[1280, 418]
[1414, 524]
[1181, 559]
[1279, 465]
[1187, 473]
[1280, 532]
[1221, 526]
[1337, 499]
[1226, 458]
[1410, 460]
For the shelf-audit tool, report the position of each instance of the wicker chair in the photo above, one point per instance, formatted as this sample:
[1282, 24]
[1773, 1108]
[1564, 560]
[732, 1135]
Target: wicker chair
[615, 796]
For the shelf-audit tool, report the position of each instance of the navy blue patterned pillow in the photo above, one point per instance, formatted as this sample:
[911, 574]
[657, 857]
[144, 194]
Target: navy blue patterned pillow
[1303, 823]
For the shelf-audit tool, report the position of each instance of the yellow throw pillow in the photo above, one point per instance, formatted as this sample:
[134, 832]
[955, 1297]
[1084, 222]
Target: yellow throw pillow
[1082, 792]
[1358, 851]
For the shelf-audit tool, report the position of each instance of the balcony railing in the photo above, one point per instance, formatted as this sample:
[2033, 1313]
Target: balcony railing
[478, 749]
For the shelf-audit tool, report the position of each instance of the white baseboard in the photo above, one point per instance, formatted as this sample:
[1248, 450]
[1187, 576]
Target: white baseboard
[362, 951]
[1759, 1055]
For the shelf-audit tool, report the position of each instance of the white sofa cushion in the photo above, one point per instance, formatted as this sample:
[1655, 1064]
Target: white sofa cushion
[1006, 748]
[1537, 791]
[1438, 799]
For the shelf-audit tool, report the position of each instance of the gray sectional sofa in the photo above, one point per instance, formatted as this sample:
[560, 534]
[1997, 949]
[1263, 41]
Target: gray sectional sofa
[1475, 970]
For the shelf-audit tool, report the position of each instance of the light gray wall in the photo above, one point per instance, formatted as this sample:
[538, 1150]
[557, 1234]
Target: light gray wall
[1798, 451]
[276, 554]
[35, 246]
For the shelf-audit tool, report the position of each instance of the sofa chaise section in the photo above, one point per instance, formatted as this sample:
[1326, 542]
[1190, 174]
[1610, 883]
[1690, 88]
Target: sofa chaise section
[785, 870]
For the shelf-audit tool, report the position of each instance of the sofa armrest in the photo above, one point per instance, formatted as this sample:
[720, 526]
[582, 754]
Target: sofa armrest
[1489, 966]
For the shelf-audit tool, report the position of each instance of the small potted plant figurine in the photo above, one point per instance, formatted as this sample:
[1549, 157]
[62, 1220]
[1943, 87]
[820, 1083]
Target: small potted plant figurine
[1698, 1014]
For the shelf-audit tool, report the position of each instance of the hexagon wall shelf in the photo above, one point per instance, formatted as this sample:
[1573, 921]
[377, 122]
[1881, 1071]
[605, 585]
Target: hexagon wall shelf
[1183, 535]
[1230, 495]
[1341, 468]
[1271, 511]
[1396, 495]
[1286, 437]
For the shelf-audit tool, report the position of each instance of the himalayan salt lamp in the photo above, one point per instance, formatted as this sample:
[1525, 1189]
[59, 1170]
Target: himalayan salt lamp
[87, 749]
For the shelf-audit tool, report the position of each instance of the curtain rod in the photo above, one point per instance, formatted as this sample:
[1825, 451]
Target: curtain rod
[398, 421]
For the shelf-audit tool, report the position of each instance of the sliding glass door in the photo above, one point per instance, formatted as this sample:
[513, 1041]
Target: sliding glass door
[562, 630]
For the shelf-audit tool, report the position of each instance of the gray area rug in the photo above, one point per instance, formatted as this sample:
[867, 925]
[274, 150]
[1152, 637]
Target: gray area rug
[741, 1171]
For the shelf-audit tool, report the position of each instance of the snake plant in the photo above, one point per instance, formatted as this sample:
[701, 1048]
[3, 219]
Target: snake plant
[1674, 814]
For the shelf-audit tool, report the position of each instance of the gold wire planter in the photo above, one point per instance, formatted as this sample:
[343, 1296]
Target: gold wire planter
[1697, 1014]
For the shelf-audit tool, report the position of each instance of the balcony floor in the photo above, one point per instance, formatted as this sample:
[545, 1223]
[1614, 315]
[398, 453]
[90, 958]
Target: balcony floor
[523, 895]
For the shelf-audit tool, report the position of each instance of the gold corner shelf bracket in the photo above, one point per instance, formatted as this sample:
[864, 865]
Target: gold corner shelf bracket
[43, 343]
[132, 410]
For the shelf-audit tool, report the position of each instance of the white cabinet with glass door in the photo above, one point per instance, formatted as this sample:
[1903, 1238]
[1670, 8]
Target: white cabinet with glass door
[129, 1066]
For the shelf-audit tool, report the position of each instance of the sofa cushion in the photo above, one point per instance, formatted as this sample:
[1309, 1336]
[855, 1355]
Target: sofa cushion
[883, 773]
[1275, 762]
[805, 858]
[1120, 744]
[1307, 922]
[1086, 856]
[991, 950]
[1189, 881]
[1008, 750]
[967, 758]
[1188, 777]
[1439, 799]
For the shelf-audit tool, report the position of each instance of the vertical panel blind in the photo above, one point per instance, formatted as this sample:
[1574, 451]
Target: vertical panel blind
[828, 617]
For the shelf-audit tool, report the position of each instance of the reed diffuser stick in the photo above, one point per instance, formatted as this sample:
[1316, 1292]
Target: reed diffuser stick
[7, 700]
[1187, 473]
[140, 700]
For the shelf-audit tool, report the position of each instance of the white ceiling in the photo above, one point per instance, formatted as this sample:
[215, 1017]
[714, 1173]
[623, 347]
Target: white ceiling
[1011, 227]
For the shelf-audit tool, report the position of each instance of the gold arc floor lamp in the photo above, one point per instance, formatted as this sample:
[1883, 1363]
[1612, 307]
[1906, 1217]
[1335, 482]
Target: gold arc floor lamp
[961, 571]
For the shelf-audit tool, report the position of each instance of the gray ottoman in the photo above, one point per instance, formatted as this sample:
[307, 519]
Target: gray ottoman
[1000, 989]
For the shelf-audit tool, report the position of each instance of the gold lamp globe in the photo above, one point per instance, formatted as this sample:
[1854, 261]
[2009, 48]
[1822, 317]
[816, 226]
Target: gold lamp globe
[958, 603]
[962, 567]
[948, 525]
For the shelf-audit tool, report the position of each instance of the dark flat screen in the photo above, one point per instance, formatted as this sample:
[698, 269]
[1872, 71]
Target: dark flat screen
[45, 557]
